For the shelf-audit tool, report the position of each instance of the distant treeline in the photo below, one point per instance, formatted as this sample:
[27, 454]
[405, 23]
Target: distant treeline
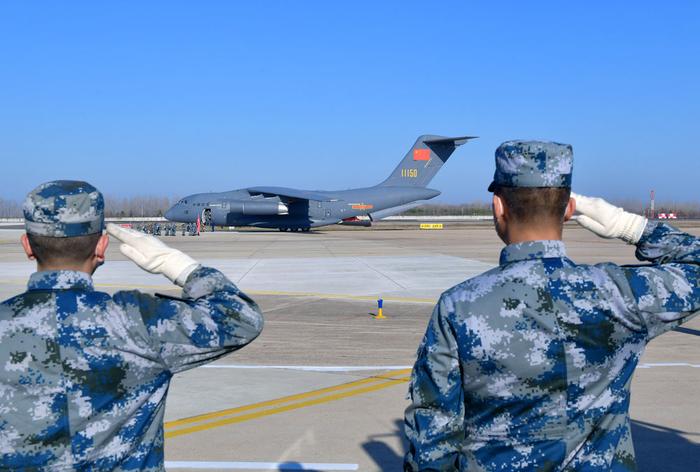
[465, 209]
[10, 209]
[145, 205]
[681, 209]
[114, 206]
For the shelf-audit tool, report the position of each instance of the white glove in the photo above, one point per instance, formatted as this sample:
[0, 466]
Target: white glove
[609, 221]
[152, 255]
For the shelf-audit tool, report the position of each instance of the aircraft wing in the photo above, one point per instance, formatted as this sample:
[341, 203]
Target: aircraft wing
[290, 193]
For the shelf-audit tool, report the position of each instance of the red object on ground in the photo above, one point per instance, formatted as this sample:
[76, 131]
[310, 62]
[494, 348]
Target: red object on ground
[199, 224]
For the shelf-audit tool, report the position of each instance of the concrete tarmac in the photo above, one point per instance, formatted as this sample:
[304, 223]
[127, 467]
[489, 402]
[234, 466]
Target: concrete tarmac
[324, 386]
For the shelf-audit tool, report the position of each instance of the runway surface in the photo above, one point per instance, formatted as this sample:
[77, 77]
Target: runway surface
[324, 386]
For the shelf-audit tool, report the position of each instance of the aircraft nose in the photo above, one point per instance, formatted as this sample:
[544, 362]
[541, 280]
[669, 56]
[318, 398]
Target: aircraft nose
[170, 214]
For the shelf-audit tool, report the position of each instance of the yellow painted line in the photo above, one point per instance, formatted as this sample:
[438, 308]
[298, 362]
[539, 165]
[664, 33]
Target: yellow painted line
[288, 399]
[275, 402]
[281, 409]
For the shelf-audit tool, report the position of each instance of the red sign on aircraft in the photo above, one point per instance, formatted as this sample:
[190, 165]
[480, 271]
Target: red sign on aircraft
[421, 154]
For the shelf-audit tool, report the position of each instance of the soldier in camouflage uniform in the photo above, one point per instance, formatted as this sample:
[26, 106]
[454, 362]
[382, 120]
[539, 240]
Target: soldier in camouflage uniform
[528, 366]
[84, 375]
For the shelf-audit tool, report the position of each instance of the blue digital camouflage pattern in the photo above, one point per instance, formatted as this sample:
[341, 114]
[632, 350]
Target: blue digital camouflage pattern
[528, 366]
[533, 164]
[84, 375]
[64, 208]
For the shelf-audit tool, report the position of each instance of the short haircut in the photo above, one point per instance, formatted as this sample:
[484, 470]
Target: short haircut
[535, 205]
[51, 250]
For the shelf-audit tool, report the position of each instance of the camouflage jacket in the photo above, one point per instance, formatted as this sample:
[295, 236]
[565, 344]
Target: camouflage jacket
[84, 375]
[528, 366]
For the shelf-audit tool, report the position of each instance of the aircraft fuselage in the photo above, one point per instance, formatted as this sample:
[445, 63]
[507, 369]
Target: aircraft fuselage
[240, 208]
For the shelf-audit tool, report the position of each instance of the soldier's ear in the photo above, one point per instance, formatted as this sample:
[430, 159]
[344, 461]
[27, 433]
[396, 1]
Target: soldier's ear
[101, 248]
[570, 209]
[27, 247]
[498, 207]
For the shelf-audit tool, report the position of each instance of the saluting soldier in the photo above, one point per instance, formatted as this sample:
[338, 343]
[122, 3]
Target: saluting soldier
[84, 375]
[528, 366]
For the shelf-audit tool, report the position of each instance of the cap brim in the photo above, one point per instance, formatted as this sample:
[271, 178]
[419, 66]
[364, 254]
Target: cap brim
[492, 186]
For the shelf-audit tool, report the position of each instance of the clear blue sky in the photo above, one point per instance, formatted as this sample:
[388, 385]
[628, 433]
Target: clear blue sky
[170, 98]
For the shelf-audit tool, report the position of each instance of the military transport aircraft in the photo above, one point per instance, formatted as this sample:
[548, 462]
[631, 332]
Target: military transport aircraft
[290, 209]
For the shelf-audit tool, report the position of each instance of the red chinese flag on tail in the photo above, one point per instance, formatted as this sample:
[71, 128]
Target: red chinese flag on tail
[421, 154]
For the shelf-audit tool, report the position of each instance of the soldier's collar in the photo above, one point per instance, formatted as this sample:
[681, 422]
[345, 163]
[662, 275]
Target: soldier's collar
[60, 280]
[532, 250]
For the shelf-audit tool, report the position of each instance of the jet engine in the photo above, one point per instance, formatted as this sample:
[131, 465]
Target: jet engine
[219, 214]
[258, 207]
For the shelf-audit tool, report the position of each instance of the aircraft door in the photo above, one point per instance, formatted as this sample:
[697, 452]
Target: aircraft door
[206, 216]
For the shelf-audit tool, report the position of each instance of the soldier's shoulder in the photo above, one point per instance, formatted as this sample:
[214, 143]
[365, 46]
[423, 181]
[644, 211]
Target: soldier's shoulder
[480, 284]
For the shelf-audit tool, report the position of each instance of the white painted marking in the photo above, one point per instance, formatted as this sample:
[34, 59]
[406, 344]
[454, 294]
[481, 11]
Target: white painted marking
[310, 368]
[668, 364]
[289, 465]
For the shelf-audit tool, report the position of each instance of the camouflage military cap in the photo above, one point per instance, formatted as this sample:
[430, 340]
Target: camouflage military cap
[64, 208]
[533, 164]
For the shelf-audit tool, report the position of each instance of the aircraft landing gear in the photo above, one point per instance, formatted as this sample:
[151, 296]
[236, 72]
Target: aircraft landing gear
[306, 230]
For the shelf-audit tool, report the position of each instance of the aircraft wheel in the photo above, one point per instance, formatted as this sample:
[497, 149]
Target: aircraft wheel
[306, 230]
[282, 229]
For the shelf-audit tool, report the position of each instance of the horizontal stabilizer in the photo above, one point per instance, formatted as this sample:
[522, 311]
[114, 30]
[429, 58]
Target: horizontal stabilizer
[456, 141]
[378, 215]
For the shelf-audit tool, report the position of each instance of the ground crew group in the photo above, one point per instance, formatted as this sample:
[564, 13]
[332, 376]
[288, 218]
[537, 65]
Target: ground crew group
[525, 367]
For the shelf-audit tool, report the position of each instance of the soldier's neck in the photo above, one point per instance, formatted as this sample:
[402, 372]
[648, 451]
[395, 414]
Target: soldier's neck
[521, 234]
[86, 267]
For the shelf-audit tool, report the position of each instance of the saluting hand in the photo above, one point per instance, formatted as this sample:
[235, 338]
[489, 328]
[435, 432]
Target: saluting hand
[153, 255]
[608, 221]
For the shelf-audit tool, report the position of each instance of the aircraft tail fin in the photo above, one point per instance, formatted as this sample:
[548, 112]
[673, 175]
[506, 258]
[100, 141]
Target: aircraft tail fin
[424, 160]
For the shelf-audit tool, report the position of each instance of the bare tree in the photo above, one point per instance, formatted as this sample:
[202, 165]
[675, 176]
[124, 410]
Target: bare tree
[10, 209]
